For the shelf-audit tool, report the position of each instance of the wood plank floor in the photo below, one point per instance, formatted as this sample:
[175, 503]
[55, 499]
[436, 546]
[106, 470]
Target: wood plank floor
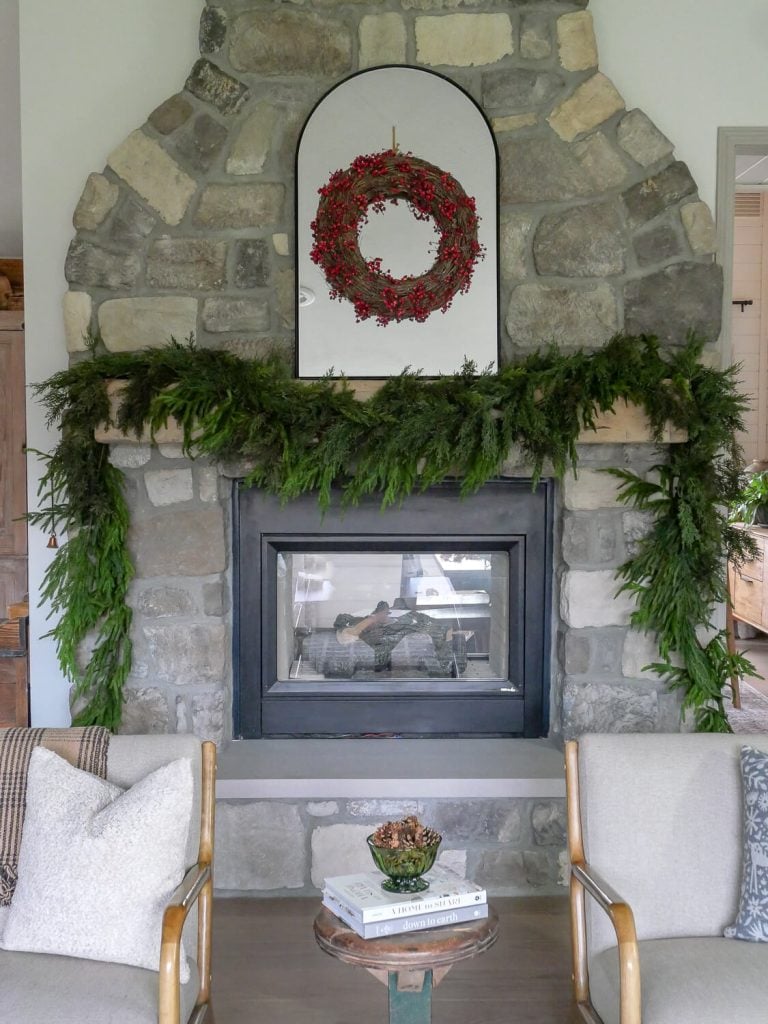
[267, 968]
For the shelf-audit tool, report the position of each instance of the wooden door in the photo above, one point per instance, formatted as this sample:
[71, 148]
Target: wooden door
[13, 505]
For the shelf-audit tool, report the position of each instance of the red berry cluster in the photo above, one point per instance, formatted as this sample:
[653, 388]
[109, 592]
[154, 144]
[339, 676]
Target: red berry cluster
[431, 194]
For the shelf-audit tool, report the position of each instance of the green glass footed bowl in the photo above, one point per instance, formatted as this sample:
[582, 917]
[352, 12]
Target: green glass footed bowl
[404, 868]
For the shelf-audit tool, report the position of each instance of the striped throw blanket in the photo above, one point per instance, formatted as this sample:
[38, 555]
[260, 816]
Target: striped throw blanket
[85, 748]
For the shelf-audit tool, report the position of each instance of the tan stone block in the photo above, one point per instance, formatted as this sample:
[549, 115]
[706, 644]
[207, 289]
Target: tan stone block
[77, 307]
[699, 228]
[128, 325]
[576, 41]
[593, 102]
[463, 40]
[252, 145]
[382, 40]
[150, 171]
[280, 242]
[99, 196]
[513, 123]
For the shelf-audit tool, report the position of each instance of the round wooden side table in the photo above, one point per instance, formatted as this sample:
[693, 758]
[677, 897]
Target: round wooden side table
[410, 965]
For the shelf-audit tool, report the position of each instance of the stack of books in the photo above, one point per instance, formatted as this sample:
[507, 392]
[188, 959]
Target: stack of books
[360, 902]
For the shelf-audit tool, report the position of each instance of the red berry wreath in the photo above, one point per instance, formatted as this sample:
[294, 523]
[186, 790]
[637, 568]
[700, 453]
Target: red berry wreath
[370, 181]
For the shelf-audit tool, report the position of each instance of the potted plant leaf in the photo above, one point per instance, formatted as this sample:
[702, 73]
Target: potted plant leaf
[751, 505]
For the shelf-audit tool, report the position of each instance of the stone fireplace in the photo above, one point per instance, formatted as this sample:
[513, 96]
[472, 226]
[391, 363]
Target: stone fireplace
[189, 229]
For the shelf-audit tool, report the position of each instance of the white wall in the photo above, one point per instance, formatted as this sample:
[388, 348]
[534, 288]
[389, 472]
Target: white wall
[10, 131]
[692, 66]
[91, 72]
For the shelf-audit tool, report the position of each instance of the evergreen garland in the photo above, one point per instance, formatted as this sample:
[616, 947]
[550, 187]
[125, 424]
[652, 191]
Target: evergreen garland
[303, 437]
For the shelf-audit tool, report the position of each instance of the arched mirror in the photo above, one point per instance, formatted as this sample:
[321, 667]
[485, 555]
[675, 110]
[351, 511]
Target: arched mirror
[397, 239]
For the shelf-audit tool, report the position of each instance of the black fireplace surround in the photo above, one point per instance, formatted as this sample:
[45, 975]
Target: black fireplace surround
[430, 618]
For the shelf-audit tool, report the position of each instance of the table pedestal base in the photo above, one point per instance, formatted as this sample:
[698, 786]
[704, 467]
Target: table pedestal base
[409, 1005]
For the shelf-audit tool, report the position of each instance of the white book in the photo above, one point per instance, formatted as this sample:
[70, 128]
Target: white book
[363, 896]
[401, 925]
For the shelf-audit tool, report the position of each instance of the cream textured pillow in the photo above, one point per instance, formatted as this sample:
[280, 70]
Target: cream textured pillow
[97, 863]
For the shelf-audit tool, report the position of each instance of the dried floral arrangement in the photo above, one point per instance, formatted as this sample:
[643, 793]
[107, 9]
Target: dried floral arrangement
[406, 834]
[431, 193]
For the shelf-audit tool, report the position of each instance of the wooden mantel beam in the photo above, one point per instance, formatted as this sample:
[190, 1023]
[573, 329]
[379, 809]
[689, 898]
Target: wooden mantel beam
[625, 424]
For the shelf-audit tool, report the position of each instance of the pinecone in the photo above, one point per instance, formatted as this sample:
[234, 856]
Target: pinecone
[407, 834]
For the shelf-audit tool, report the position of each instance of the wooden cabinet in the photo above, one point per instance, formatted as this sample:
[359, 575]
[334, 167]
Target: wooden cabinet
[748, 585]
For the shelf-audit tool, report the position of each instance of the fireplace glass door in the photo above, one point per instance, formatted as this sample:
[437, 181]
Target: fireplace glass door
[415, 619]
[427, 619]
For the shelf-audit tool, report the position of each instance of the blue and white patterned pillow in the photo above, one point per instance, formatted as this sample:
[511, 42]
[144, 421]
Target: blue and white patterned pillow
[752, 920]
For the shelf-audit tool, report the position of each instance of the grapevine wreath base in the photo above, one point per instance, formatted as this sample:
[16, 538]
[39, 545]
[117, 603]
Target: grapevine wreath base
[431, 193]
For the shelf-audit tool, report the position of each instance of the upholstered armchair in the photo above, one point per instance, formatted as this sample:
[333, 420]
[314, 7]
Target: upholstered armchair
[656, 848]
[51, 965]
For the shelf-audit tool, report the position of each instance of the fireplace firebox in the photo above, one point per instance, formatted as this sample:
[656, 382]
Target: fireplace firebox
[430, 618]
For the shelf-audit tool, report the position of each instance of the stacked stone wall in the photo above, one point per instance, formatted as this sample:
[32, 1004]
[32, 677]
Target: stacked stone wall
[189, 230]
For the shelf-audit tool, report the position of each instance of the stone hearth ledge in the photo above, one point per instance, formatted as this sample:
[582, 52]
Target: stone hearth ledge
[625, 424]
[317, 769]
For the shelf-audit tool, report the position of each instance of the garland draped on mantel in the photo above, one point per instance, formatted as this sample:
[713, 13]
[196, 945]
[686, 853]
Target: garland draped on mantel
[303, 437]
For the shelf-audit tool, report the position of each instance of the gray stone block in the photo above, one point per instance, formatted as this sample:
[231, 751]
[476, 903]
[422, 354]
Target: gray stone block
[130, 456]
[131, 224]
[576, 652]
[169, 486]
[226, 314]
[240, 206]
[380, 811]
[540, 168]
[174, 543]
[474, 820]
[201, 142]
[213, 29]
[208, 715]
[671, 302]
[514, 244]
[660, 243]
[290, 42]
[647, 199]
[601, 161]
[253, 143]
[91, 266]
[520, 88]
[608, 707]
[259, 846]
[549, 823]
[145, 710]
[587, 241]
[212, 85]
[591, 598]
[171, 114]
[216, 601]
[322, 808]
[186, 654]
[569, 317]
[159, 602]
[535, 38]
[251, 263]
[639, 136]
[191, 263]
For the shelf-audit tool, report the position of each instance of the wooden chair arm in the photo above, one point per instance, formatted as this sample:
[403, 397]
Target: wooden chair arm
[197, 880]
[586, 879]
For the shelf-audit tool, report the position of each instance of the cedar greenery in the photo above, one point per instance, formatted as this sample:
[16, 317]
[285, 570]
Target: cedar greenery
[300, 437]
